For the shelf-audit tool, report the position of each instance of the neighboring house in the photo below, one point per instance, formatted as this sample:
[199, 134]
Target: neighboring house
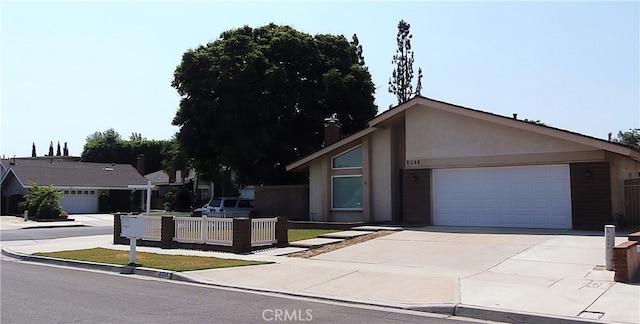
[81, 183]
[203, 190]
[427, 162]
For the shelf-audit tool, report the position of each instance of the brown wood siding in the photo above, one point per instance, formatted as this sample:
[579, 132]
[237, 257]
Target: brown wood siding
[416, 196]
[591, 195]
[632, 202]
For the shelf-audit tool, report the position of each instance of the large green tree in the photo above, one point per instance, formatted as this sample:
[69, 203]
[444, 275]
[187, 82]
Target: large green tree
[402, 76]
[109, 147]
[630, 138]
[255, 100]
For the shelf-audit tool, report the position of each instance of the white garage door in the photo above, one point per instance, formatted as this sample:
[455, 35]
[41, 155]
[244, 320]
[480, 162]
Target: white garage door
[531, 197]
[79, 201]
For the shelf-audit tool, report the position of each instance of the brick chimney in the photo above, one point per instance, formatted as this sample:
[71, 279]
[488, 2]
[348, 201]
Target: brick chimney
[140, 164]
[331, 130]
[172, 176]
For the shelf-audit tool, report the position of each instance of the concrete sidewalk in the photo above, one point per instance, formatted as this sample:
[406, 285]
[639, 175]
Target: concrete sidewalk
[14, 222]
[494, 274]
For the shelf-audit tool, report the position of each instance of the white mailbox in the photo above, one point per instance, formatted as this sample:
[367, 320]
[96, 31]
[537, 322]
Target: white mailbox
[132, 226]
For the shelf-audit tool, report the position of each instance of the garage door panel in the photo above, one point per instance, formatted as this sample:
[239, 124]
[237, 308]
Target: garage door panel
[535, 196]
[79, 203]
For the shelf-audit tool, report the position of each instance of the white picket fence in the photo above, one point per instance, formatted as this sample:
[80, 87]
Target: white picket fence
[219, 231]
[152, 228]
[263, 231]
[238, 214]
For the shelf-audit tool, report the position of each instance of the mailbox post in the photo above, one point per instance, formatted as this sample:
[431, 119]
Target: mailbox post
[132, 226]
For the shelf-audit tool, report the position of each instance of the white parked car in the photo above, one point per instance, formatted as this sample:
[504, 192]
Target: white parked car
[225, 205]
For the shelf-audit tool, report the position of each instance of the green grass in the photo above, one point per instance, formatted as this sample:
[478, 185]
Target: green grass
[150, 260]
[304, 234]
[172, 262]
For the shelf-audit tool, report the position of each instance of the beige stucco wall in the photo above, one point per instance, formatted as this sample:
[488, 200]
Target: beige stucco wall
[431, 138]
[433, 135]
[381, 175]
[622, 168]
[317, 189]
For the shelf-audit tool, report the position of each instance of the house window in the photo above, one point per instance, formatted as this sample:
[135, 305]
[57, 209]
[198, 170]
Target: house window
[73, 192]
[229, 203]
[346, 192]
[351, 159]
[203, 194]
[93, 192]
[66, 192]
[86, 192]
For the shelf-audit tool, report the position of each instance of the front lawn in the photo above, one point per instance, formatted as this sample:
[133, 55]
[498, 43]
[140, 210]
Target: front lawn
[150, 260]
[304, 234]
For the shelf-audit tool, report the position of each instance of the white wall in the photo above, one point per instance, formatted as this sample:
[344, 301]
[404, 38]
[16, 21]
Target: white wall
[381, 175]
[317, 187]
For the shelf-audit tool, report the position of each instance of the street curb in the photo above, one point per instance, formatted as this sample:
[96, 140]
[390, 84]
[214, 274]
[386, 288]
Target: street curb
[64, 262]
[90, 265]
[53, 226]
[506, 316]
[447, 309]
[459, 310]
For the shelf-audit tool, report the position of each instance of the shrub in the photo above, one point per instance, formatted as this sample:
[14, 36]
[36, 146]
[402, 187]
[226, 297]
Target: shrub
[42, 202]
[178, 199]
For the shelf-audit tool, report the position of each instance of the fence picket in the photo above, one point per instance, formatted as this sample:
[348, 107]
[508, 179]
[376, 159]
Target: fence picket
[219, 231]
[263, 231]
[152, 228]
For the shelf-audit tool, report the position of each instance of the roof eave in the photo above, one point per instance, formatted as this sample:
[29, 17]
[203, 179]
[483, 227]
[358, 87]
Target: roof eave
[397, 112]
[303, 163]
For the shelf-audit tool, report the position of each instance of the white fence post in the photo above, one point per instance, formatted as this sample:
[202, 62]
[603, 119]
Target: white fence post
[203, 229]
[610, 242]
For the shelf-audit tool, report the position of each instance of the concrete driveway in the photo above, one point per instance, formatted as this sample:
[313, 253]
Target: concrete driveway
[559, 273]
[494, 274]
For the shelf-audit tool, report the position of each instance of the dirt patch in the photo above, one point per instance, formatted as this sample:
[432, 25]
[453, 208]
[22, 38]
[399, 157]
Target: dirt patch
[335, 246]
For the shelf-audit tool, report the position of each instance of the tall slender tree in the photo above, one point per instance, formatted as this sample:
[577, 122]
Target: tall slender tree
[359, 51]
[402, 76]
[33, 150]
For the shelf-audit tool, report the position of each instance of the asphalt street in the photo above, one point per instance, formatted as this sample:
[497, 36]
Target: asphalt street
[52, 233]
[34, 293]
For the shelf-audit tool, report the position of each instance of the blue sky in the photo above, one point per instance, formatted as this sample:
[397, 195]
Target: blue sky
[69, 69]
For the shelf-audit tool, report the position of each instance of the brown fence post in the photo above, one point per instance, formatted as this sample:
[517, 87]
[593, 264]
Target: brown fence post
[625, 262]
[167, 232]
[117, 229]
[241, 235]
[282, 230]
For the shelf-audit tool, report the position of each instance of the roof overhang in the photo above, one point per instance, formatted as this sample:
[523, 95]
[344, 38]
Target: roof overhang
[398, 112]
[392, 115]
[142, 187]
[304, 162]
[6, 174]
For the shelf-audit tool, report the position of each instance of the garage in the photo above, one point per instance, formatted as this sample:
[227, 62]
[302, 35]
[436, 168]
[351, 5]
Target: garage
[79, 201]
[523, 196]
